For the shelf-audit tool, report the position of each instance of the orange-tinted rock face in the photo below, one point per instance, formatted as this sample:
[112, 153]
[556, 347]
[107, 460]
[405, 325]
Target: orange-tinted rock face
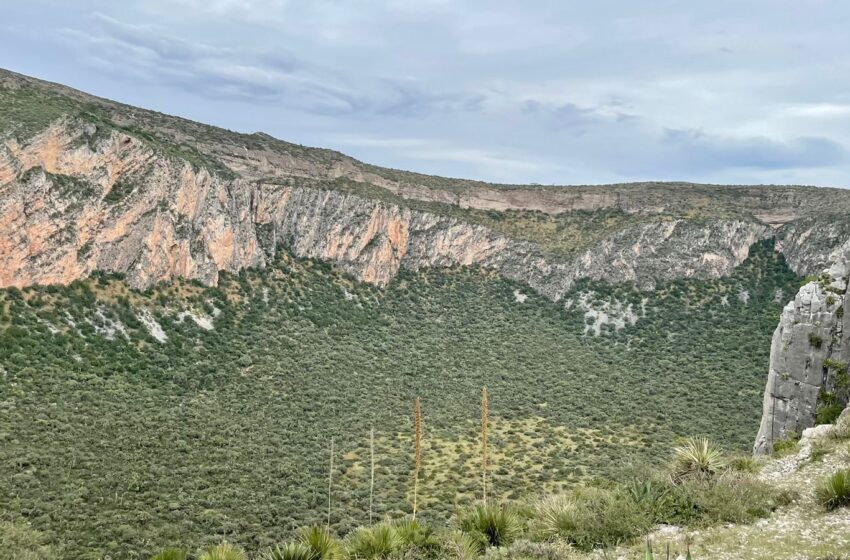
[70, 207]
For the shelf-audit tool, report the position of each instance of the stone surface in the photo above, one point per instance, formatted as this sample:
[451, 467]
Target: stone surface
[811, 330]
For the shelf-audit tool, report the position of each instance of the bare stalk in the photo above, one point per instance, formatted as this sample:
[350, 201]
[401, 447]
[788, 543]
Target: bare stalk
[417, 436]
[330, 482]
[485, 421]
[372, 471]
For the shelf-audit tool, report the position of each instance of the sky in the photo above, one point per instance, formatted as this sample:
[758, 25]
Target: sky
[534, 91]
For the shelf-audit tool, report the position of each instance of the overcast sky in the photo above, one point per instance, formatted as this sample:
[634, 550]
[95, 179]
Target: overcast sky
[565, 92]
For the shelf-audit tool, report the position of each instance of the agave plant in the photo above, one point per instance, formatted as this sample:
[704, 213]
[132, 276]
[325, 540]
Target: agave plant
[378, 541]
[224, 551]
[321, 542]
[499, 526]
[289, 551]
[170, 554]
[699, 457]
[834, 491]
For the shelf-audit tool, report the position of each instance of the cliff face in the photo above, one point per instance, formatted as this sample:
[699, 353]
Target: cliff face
[73, 203]
[809, 355]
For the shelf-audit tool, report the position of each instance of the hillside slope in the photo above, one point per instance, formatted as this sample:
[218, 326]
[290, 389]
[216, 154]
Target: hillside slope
[188, 315]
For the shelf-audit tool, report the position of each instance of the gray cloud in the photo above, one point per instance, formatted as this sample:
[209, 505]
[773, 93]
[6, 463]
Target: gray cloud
[549, 92]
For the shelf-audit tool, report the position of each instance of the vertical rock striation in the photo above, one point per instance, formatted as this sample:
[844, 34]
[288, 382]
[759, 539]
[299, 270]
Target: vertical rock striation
[809, 347]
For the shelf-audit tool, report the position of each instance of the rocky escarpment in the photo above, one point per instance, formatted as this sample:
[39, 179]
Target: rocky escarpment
[73, 202]
[809, 355]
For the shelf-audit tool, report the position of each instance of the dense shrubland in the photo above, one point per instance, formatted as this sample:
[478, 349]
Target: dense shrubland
[118, 447]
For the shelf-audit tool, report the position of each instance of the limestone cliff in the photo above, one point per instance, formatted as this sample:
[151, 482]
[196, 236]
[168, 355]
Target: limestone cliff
[809, 355]
[72, 204]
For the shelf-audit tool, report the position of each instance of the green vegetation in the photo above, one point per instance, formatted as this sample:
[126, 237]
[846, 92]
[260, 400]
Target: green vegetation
[834, 491]
[223, 434]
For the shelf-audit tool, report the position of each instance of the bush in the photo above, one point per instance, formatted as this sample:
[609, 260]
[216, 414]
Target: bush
[834, 491]
[787, 445]
[731, 498]
[457, 545]
[378, 541]
[224, 551]
[590, 517]
[290, 551]
[323, 545]
[492, 525]
[841, 430]
[745, 464]
[699, 457]
[170, 554]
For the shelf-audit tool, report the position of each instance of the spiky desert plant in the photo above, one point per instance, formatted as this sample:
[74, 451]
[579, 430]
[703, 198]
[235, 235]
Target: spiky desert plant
[485, 420]
[457, 545]
[498, 526]
[555, 515]
[417, 442]
[170, 554]
[289, 551]
[834, 491]
[377, 541]
[224, 551]
[412, 533]
[698, 457]
[371, 471]
[330, 481]
[321, 542]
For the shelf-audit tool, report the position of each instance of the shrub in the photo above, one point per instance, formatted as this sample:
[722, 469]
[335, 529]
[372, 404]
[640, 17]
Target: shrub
[828, 413]
[457, 545]
[590, 517]
[377, 541]
[170, 554]
[841, 430]
[745, 464]
[786, 445]
[699, 457]
[815, 340]
[321, 542]
[224, 551]
[290, 551]
[494, 525]
[834, 491]
[414, 534]
[730, 498]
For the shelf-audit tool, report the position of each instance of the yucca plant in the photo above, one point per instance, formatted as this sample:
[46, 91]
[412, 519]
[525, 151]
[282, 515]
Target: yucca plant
[834, 491]
[699, 457]
[321, 542]
[170, 554]
[457, 545]
[378, 541]
[556, 516]
[289, 551]
[498, 526]
[412, 533]
[224, 551]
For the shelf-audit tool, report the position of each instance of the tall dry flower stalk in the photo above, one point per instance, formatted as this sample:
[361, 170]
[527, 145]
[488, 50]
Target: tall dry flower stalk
[330, 482]
[417, 437]
[371, 471]
[485, 421]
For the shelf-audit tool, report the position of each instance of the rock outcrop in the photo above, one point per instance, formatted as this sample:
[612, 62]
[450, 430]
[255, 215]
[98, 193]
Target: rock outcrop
[809, 354]
[71, 204]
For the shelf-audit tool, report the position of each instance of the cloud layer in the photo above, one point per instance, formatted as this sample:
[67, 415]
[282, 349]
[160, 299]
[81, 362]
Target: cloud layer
[548, 92]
